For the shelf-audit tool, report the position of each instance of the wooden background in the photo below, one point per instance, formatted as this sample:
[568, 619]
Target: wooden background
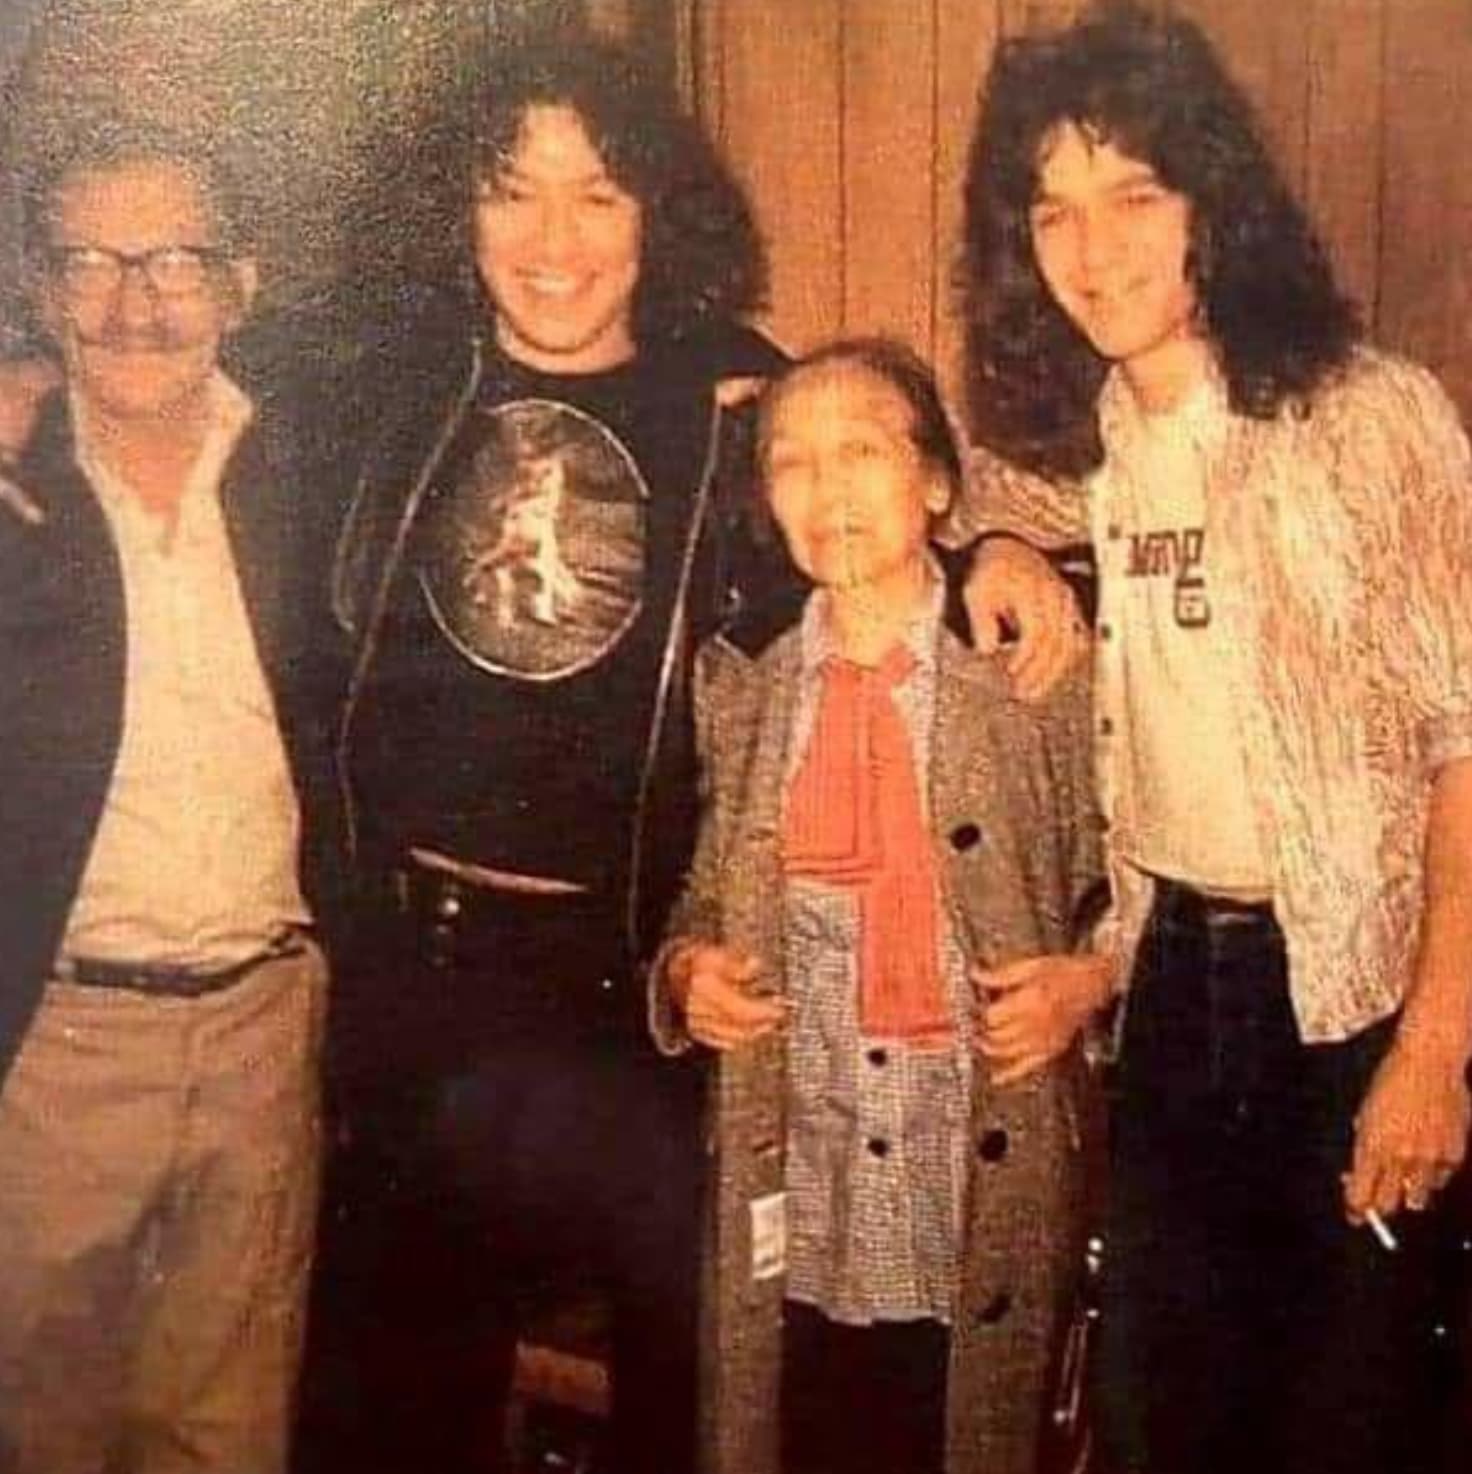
[850, 119]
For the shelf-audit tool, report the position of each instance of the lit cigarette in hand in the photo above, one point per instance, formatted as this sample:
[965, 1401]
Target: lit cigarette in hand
[1381, 1229]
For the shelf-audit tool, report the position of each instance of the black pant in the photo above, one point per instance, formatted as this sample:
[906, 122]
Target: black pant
[524, 1151]
[862, 1399]
[1246, 1324]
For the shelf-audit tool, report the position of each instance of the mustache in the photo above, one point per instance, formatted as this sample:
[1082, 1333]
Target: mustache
[155, 337]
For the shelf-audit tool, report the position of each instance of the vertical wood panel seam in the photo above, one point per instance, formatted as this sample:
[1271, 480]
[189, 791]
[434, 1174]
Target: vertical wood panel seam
[1307, 53]
[1382, 157]
[845, 223]
[932, 327]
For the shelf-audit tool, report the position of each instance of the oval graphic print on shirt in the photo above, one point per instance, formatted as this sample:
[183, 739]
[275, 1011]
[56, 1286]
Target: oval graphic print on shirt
[535, 556]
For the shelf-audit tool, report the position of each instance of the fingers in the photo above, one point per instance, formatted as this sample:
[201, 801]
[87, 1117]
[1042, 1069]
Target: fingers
[987, 604]
[1019, 1069]
[1410, 1135]
[1001, 1046]
[1390, 1183]
[1004, 979]
[1012, 587]
[1371, 1186]
[1051, 642]
[730, 1020]
[1017, 1036]
[1015, 1018]
[721, 1011]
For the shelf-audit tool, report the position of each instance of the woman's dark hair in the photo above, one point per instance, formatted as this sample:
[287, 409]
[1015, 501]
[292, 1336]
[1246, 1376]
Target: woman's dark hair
[904, 371]
[703, 259]
[1152, 87]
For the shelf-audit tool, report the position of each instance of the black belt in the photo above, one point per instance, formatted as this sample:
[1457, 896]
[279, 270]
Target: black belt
[164, 981]
[570, 941]
[1185, 906]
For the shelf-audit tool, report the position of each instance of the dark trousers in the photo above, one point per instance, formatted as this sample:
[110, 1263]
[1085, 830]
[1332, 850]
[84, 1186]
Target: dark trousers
[862, 1399]
[527, 1151]
[1246, 1324]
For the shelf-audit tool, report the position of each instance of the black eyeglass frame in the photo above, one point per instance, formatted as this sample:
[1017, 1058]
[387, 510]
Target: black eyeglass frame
[110, 267]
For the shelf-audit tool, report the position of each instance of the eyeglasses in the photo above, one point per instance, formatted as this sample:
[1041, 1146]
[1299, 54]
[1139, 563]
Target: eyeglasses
[88, 272]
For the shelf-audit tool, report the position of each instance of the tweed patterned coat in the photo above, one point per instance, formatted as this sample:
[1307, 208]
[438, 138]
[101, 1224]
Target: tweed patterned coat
[1017, 847]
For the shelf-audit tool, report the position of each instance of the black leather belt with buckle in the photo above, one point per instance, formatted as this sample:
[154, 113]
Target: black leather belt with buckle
[1186, 906]
[165, 981]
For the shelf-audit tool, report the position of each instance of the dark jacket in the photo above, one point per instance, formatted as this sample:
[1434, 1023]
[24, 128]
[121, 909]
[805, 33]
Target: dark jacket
[725, 562]
[63, 641]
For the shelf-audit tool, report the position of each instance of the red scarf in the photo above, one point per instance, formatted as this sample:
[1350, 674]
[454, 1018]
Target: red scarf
[854, 819]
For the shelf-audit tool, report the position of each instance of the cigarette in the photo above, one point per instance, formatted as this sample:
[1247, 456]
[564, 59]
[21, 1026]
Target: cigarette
[1378, 1226]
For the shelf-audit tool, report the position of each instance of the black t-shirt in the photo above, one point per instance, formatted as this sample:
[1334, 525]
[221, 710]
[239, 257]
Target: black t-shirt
[507, 717]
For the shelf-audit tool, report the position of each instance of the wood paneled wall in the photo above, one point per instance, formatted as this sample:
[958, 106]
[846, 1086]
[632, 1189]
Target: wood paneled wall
[850, 121]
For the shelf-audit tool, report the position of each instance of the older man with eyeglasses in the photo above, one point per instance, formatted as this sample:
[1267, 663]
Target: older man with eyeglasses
[164, 749]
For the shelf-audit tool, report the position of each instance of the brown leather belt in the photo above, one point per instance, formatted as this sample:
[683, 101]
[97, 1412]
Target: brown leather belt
[165, 981]
[488, 878]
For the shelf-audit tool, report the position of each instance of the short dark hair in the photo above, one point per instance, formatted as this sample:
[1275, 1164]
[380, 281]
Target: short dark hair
[103, 144]
[702, 259]
[1154, 87]
[895, 364]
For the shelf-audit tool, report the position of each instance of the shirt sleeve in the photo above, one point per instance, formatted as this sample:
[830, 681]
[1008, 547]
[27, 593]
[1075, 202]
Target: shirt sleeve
[998, 497]
[1418, 555]
[696, 913]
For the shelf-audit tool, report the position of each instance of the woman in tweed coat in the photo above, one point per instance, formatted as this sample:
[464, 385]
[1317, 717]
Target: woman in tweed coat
[894, 1115]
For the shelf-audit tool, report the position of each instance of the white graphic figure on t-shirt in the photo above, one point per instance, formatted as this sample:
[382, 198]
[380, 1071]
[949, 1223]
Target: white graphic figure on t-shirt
[526, 557]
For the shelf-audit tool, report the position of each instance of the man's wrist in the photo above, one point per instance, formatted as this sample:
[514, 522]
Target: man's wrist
[1434, 1047]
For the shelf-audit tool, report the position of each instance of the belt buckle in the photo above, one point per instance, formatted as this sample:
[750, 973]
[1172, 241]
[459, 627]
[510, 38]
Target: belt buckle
[446, 897]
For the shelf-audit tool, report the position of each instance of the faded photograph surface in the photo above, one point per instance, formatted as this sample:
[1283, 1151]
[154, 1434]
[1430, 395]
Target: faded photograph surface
[735, 736]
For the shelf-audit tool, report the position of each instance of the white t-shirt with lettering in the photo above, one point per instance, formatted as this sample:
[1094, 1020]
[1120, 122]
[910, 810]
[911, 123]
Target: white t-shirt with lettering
[1193, 819]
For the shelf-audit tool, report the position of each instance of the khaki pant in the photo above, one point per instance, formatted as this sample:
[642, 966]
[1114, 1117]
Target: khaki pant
[158, 1182]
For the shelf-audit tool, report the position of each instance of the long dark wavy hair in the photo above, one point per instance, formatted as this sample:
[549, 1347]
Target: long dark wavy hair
[703, 259]
[1153, 87]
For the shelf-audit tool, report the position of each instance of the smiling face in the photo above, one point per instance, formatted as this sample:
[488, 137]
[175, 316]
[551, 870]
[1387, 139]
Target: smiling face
[847, 484]
[1111, 243]
[132, 351]
[557, 245]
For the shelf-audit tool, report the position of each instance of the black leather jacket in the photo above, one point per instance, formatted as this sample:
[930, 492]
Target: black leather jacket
[725, 564]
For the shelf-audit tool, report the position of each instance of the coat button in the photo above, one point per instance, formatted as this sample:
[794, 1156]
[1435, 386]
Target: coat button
[993, 1145]
[965, 837]
[878, 1146]
[995, 1308]
[878, 1057]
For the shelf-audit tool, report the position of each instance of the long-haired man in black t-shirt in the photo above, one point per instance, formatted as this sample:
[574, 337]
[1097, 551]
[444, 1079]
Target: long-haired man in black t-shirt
[550, 521]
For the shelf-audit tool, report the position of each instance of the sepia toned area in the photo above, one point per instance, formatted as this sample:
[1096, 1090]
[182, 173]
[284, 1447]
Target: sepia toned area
[310, 103]
[848, 120]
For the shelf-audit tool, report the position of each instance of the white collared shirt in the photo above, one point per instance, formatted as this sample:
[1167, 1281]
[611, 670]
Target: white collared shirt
[194, 862]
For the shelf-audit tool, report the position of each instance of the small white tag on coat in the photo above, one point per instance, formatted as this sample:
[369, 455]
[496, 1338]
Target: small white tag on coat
[769, 1236]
